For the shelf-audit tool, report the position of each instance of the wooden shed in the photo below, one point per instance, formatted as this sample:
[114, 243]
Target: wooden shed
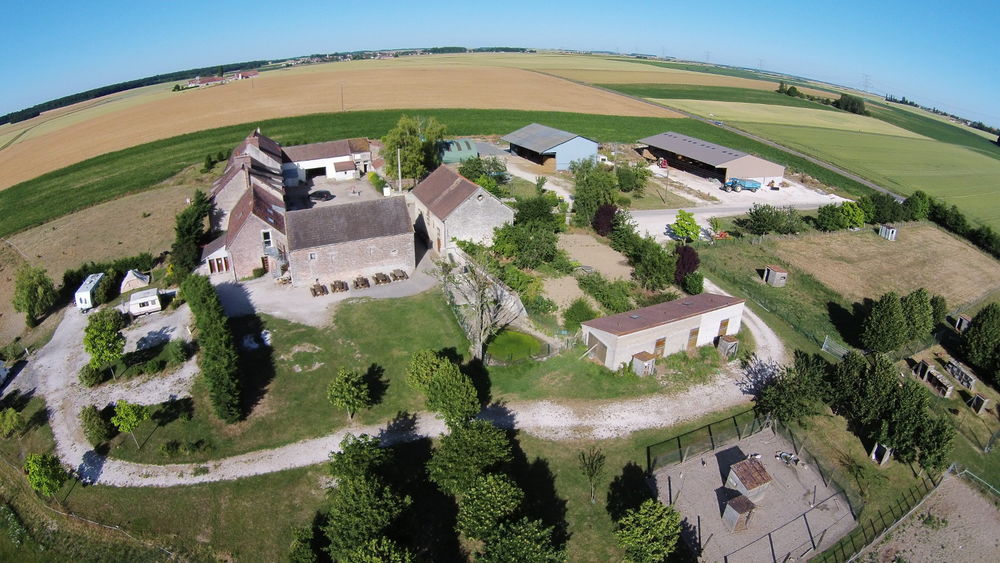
[775, 275]
[749, 477]
[643, 363]
[888, 232]
[963, 322]
[737, 513]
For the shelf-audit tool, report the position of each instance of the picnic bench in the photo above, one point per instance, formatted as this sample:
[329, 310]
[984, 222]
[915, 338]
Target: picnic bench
[338, 286]
[361, 282]
[381, 279]
[398, 274]
[318, 289]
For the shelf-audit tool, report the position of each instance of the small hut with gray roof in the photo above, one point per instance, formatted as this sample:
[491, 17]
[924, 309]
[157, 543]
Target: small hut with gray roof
[448, 207]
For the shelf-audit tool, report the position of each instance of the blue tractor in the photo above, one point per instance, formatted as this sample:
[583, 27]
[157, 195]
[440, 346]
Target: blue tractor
[739, 184]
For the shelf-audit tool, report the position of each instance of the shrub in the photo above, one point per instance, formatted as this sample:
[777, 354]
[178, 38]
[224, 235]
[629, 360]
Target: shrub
[91, 376]
[615, 296]
[155, 365]
[539, 305]
[96, 428]
[694, 283]
[604, 219]
[687, 262]
[578, 312]
[377, 181]
[258, 272]
[623, 201]
[175, 352]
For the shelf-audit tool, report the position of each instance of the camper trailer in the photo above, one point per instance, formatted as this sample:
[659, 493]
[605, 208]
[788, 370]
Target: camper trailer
[144, 302]
[85, 295]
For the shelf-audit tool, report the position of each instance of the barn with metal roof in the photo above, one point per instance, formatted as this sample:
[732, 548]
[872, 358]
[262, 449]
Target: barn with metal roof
[553, 148]
[711, 160]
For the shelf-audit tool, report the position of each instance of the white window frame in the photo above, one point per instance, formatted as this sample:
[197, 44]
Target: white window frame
[267, 238]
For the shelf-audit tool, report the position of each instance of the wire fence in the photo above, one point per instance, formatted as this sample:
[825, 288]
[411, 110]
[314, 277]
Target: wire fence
[875, 525]
[976, 481]
[703, 439]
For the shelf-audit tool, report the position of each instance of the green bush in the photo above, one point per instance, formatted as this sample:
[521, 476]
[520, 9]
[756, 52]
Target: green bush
[538, 305]
[377, 181]
[694, 283]
[96, 427]
[615, 296]
[175, 352]
[156, 365]
[258, 272]
[578, 312]
[91, 376]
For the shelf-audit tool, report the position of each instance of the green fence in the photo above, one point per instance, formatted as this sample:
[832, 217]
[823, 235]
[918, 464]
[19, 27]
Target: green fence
[869, 530]
[704, 439]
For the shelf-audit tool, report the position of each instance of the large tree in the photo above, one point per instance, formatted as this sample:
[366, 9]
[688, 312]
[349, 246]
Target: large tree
[45, 474]
[465, 454]
[359, 456]
[379, 550]
[349, 391]
[491, 500]
[649, 534]
[595, 186]
[524, 541]
[488, 306]
[919, 314]
[885, 328]
[102, 338]
[34, 293]
[359, 510]
[416, 140]
[529, 244]
[764, 218]
[189, 229]
[982, 340]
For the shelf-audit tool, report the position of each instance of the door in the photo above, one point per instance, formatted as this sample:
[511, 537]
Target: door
[723, 327]
[660, 345]
[600, 351]
[265, 263]
[693, 338]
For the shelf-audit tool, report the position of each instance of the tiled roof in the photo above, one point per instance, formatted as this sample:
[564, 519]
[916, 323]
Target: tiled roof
[692, 147]
[344, 166]
[661, 314]
[329, 149]
[443, 191]
[255, 201]
[335, 224]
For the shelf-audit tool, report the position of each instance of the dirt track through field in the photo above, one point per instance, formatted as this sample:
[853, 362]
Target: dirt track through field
[288, 93]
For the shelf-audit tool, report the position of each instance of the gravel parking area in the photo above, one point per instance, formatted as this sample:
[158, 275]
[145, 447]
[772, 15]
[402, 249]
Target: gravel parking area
[795, 195]
[588, 251]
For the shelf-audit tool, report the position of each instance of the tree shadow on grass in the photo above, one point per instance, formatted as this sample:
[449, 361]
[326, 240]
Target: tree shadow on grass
[256, 360]
[628, 491]
[173, 410]
[541, 501]
[428, 526]
[16, 400]
[480, 376]
[377, 383]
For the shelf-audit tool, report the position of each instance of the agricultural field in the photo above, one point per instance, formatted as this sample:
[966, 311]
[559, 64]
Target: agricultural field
[862, 264]
[315, 89]
[753, 113]
[667, 93]
[957, 175]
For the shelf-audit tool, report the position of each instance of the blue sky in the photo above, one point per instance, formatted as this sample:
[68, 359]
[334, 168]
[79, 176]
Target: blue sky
[932, 52]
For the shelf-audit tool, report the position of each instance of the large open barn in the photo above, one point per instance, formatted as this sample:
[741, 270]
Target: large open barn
[711, 160]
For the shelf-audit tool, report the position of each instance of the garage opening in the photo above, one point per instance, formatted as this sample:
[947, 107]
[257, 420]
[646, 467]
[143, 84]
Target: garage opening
[312, 173]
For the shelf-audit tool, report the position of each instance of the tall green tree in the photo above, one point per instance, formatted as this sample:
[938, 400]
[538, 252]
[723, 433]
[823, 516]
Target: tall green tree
[649, 534]
[491, 500]
[349, 391]
[854, 216]
[34, 293]
[416, 140]
[217, 357]
[45, 474]
[905, 418]
[981, 341]
[595, 186]
[524, 541]
[359, 456]
[465, 454]
[451, 394]
[189, 229]
[885, 329]
[764, 219]
[11, 422]
[917, 206]
[935, 440]
[380, 550]
[919, 314]
[685, 227]
[95, 427]
[653, 266]
[128, 416]
[939, 306]
[359, 510]
[632, 178]
[102, 338]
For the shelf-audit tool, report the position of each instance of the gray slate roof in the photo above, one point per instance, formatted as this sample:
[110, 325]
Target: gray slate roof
[335, 224]
[538, 138]
[692, 147]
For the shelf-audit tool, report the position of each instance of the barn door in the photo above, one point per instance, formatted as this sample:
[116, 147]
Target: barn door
[723, 327]
[600, 351]
[660, 345]
[693, 338]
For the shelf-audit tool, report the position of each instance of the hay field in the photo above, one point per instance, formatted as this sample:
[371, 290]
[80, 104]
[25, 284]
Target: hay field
[862, 264]
[312, 90]
[787, 115]
[956, 174]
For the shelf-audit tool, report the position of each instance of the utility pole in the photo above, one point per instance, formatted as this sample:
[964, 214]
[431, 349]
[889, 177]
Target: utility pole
[341, 96]
[708, 56]
[867, 82]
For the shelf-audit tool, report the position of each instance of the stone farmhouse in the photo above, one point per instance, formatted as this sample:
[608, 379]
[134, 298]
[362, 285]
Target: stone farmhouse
[663, 329]
[447, 207]
[355, 239]
[339, 160]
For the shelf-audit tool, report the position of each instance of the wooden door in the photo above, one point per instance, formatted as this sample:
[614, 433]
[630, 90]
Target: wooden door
[264, 263]
[723, 327]
[693, 338]
[660, 345]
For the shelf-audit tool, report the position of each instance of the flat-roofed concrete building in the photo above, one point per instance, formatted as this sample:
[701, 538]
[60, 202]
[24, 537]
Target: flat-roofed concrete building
[552, 148]
[711, 160]
[662, 329]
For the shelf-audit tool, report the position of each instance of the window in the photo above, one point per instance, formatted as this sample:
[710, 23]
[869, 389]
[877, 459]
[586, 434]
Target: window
[312, 255]
[266, 237]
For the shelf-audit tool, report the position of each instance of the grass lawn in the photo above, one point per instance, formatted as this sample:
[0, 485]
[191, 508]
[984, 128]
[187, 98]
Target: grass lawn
[804, 306]
[955, 174]
[935, 127]
[720, 93]
[658, 197]
[294, 404]
[521, 188]
[513, 346]
[141, 167]
[566, 377]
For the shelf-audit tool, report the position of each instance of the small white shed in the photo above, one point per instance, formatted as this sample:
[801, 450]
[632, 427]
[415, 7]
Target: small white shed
[85, 295]
[144, 302]
[133, 280]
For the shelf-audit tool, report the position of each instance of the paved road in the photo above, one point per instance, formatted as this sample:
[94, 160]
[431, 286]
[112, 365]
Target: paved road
[654, 221]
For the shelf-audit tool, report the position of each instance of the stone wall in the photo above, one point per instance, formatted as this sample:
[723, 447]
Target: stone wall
[347, 260]
[475, 219]
[247, 249]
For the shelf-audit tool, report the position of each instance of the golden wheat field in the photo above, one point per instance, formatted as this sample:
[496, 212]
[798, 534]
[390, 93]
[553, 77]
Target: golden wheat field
[308, 90]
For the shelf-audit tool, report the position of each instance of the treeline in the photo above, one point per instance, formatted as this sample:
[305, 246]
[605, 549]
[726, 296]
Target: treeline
[974, 124]
[36, 110]
[796, 93]
[903, 100]
[439, 50]
[218, 358]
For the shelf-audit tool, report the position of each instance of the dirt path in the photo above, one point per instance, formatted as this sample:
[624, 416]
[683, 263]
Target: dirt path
[57, 364]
